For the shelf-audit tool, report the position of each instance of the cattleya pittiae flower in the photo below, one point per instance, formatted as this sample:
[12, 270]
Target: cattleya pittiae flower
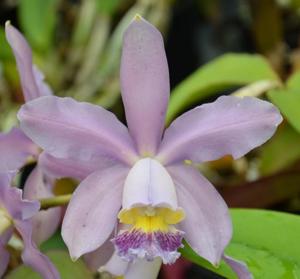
[17, 213]
[17, 148]
[142, 188]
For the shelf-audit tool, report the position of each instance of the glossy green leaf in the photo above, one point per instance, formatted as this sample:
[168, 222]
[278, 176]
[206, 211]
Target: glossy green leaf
[38, 19]
[288, 101]
[281, 151]
[223, 269]
[63, 263]
[227, 71]
[267, 241]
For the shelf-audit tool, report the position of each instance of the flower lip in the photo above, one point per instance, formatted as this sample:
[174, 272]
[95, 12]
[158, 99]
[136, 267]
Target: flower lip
[133, 215]
[135, 244]
[149, 211]
[149, 233]
[148, 183]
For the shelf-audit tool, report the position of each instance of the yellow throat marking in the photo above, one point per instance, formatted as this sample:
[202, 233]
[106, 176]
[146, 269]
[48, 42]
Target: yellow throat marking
[150, 219]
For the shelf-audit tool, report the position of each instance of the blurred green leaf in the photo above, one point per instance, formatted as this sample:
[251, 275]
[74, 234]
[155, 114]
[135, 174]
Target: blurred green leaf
[294, 81]
[62, 261]
[55, 242]
[288, 101]
[84, 23]
[266, 240]
[107, 6]
[281, 151]
[38, 19]
[227, 71]
[5, 51]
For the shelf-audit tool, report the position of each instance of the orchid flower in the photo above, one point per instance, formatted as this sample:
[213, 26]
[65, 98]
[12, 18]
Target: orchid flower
[142, 186]
[19, 148]
[17, 213]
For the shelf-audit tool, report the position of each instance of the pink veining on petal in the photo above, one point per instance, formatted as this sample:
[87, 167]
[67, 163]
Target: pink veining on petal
[135, 244]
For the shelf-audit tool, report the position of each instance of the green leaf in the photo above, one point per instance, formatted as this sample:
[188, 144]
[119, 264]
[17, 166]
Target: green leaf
[107, 6]
[294, 81]
[63, 263]
[227, 71]
[38, 19]
[223, 269]
[267, 241]
[288, 102]
[5, 50]
[281, 151]
[55, 242]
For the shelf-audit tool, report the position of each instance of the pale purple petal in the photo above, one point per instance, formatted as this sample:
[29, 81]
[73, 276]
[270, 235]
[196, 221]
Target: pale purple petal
[100, 256]
[92, 211]
[143, 269]
[15, 150]
[239, 267]
[66, 128]
[31, 256]
[116, 266]
[4, 259]
[43, 87]
[228, 126]
[23, 55]
[6, 179]
[149, 183]
[207, 225]
[45, 222]
[63, 167]
[4, 254]
[144, 83]
[6, 235]
[11, 199]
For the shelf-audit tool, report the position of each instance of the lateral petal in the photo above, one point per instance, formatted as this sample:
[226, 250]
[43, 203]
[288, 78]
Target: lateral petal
[207, 224]
[92, 212]
[228, 126]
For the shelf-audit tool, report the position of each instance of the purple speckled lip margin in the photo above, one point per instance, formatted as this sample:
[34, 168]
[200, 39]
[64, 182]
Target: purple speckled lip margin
[138, 244]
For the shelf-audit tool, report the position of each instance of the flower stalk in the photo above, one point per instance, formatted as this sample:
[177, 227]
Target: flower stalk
[55, 201]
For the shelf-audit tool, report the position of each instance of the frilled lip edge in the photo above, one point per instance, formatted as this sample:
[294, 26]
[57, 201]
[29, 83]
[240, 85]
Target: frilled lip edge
[134, 244]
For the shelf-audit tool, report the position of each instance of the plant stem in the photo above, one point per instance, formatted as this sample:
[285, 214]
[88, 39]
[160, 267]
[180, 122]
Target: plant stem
[55, 201]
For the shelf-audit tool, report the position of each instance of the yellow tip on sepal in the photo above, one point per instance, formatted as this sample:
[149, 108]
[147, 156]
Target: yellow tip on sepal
[7, 23]
[137, 17]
